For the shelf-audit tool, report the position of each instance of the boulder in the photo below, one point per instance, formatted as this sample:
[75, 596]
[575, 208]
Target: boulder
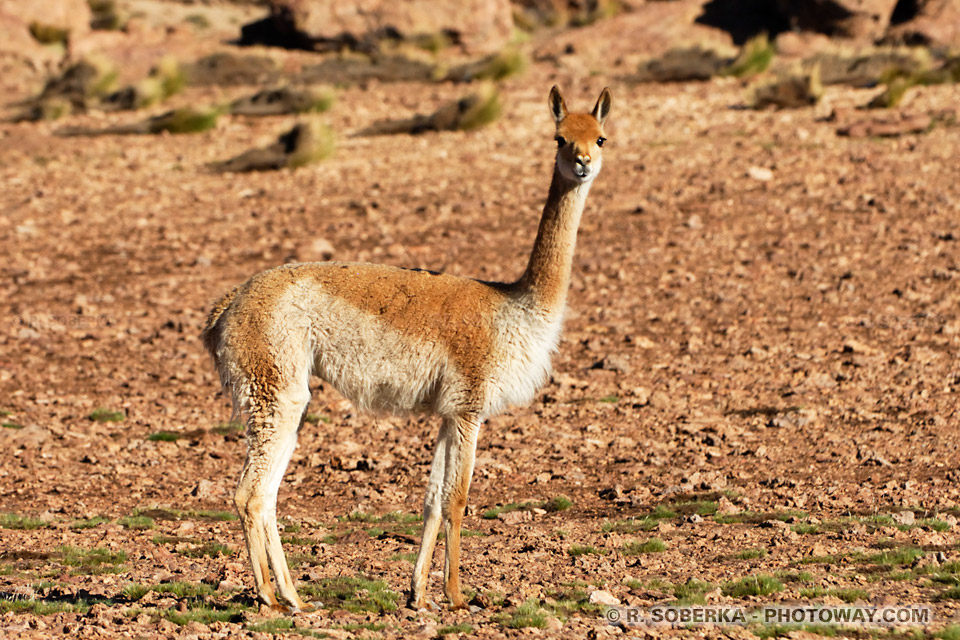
[858, 19]
[17, 43]
[479, 26]
[70, 16]
[934, 23]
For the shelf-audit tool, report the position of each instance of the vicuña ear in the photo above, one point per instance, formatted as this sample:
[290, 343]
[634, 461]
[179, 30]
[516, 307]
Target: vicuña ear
[557, 107]
[602, 108]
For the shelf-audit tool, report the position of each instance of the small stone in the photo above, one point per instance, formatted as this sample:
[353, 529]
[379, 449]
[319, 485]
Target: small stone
[760, 173]
[603, 597]
[641, 395]
[480, 601]
[725, 507]
[166, 628]
[904, 518]
[612, 493]
[660, 400]
[206, 489]
[426, 630]
[694, 222]
[694, 518]
[317, 250]
[515, 517]
[553, 625]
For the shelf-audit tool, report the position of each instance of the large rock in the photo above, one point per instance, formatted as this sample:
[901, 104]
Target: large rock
[859, 19]
[648, 31]
[16, 42]
[935, 22]
[72, 16]
[480, 26]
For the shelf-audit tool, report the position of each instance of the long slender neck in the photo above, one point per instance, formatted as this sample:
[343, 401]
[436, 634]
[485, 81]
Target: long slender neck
[547, 277]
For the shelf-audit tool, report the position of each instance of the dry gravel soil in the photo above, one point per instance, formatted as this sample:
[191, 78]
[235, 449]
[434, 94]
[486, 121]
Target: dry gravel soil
[758, 369]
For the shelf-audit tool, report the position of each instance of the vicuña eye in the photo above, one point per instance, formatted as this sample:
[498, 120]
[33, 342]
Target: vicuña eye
[560, 141]
[600, 141]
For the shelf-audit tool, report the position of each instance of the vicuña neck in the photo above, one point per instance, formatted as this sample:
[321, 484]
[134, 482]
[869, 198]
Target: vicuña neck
[547, 277]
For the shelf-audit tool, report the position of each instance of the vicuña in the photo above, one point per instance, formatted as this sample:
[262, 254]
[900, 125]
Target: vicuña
[398, 340]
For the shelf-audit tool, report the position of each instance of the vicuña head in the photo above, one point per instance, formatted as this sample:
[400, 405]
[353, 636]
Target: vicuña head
[398, 340]
[579, 137]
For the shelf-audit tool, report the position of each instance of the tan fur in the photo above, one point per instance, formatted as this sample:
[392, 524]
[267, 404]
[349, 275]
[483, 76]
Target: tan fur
[398, 340]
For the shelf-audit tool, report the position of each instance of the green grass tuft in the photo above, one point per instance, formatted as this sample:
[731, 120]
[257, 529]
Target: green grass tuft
[755, 57]
[92, 561]
[804, 528]
[558, 503]
[228, 428]
[185, 120]
[277, 625]
[181, 589]
[319, 144]
[463, 627]
[392, 516]
[758, 585]
[48, 34]
[353, 594]
[106, 415]
[14, 521]
[630, 525]
[137, 522]
[216, 515]
[485, 109]
[691, 592]
[11, 425]
[635, 547]
[134, 591]
[847, 595]
[163, 436]
[89, 523]
[895, 557]
[661, 512]
[751, 554]
[586, 550]
[509, 62]
[211, 549]
[42, 607]
[528, 614]
[949, 632]
[206, 614]
[764, 631]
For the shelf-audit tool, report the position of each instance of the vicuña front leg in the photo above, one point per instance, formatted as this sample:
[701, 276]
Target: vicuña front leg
[456, 485]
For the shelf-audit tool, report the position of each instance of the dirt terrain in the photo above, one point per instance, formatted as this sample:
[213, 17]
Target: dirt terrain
[754, 401]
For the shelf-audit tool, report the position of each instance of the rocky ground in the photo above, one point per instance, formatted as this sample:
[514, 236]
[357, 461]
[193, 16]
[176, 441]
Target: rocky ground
[754, 400]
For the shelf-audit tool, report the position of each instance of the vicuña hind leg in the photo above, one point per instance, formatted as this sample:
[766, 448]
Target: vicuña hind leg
[431, 518]
[456, 485]
[271, 439]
